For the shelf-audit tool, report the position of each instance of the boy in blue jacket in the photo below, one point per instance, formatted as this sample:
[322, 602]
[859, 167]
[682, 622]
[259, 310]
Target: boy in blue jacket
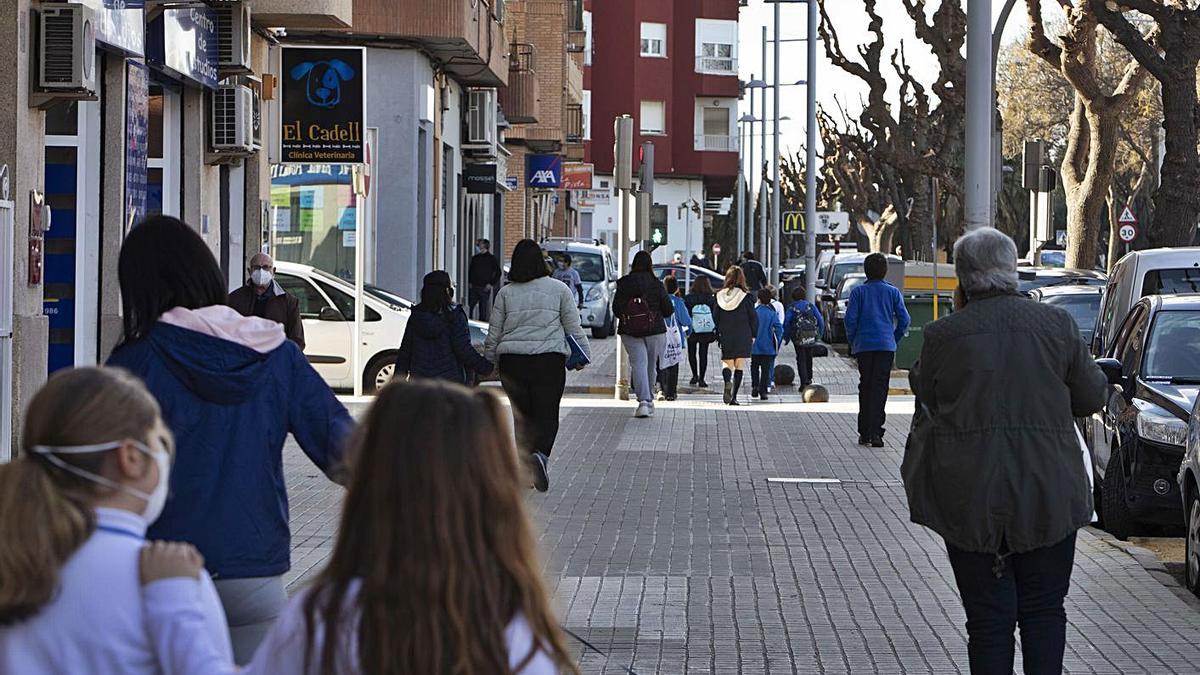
[766, 344]
[876, 320]
[801, 315]
[668, 378]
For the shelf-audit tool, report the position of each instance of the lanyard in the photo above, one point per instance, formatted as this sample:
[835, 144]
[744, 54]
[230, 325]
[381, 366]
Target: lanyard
[118, 531]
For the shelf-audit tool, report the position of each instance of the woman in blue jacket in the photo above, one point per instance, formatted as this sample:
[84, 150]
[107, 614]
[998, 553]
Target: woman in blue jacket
[768, 337]
[231, 388]
[437, 341]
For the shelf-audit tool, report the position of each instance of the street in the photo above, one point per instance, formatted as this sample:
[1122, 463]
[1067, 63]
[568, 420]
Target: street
[689, 542]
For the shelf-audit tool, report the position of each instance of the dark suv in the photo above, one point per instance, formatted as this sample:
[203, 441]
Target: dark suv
[1137, 440]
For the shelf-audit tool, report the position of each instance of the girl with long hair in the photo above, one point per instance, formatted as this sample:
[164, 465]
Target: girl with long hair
[701, 305]
[737, 325]
[437, 339]
[641, 304]
[74, 508]
[232, 388]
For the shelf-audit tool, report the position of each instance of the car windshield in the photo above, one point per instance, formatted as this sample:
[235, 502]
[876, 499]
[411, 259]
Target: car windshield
[1173, 349]
[1171, 282]
[840, 270]
[589, 265]
[388, 296]
[1054, 258]
[850, 284]
[1082, 308]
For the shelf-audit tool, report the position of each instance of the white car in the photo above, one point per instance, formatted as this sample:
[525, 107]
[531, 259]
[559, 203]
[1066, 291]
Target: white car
[327, 311]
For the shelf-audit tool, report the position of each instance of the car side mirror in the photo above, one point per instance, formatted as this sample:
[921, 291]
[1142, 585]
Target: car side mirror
[1112, 370]
[331, 314]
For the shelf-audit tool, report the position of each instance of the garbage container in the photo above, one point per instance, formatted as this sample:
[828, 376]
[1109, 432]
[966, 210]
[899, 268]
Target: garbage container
[920, 308]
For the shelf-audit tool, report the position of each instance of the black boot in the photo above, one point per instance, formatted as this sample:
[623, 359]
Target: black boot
[728, 395]
[737, 384]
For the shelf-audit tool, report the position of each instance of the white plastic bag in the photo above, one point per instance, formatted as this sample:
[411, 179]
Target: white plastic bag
[1087, 469]
[673, 353]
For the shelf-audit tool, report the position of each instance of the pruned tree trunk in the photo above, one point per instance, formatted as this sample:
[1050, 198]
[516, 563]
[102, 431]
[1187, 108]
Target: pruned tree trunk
[880, 232]
[1177, 200]
[1087, 192]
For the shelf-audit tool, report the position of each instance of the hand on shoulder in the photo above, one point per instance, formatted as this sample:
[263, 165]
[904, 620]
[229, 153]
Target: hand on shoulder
[169, 559]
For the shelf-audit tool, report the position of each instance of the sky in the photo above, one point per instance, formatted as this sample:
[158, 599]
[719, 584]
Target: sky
[850, 21]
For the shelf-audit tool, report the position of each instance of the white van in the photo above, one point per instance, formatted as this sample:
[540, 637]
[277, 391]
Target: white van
[1160, 271]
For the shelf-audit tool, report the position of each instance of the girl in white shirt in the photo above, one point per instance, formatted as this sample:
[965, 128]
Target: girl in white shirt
[435, 568]
[74, 508]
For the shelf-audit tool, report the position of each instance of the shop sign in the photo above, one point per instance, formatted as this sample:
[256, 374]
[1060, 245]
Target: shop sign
[480, 179]
[184, 42]
[322, 105]
[310, 174]
[120, 24]
[592, 198]
[543, 171]
[577, 176]
[137, 139]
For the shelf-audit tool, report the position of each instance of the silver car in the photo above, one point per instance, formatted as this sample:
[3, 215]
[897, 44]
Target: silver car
[597, 269]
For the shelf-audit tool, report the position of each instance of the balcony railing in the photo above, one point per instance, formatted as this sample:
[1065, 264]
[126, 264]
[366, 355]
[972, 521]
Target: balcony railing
[519, 99]
[573, 127]
[716, 65]
[716, 143]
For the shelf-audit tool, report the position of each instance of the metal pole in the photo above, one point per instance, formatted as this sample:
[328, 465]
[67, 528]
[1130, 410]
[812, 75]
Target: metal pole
[762, 205]
[933, 186]
[741, 188]
[356, 353]
[750, 171]
[979, 114]
[810, 182]
[777, 203]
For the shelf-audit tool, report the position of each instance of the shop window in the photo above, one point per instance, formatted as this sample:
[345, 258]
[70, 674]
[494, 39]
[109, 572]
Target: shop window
[313, 217]
[62, 119]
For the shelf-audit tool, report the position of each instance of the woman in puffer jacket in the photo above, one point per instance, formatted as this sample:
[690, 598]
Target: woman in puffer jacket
[437, 341]
[530, 321]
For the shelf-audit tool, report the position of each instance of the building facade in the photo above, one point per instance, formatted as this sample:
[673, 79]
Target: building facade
[672, 65]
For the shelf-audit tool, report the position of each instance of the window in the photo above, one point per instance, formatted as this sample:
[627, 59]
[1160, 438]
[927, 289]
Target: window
[653, 117]
[310, 299]
[1171, 281]
[345, 302]
[715, 130]
[716, 46]
[654, 40]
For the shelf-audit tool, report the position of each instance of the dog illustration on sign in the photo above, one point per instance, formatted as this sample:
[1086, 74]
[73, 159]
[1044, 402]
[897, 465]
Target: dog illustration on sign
[323, 81]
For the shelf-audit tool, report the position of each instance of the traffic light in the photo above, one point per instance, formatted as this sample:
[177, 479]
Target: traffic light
[658, 236]
[646, 170]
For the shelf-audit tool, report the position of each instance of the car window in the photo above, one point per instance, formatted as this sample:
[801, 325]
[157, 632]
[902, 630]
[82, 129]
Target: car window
[1171, 282]
[345, 302]
[1132, 342]
[840, 270]
[1118, 343]
[849, 285]
[1173, 349]
[589, 265]
[823, 274]
[1082, 308]
[311, 300]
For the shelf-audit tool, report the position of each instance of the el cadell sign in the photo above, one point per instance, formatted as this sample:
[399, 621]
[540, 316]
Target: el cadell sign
[321, 106]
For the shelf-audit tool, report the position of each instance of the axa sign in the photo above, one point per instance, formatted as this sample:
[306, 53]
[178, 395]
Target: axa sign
[543, 171]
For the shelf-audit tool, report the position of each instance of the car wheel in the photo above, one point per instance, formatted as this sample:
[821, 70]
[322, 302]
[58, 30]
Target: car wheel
[1192, 543]
[1117, 519]
[379, 373]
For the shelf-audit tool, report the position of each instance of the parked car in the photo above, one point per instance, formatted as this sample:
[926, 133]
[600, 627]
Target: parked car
[833, 306]
[681, 272]
[1030, 279]
[327, 311]
[1160, 271]
[597, 269]
[847, 263]
[1137, 440]
[1082, 302]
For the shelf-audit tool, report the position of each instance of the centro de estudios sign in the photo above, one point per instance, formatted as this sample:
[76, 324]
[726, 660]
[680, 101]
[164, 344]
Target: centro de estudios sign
[322, 105]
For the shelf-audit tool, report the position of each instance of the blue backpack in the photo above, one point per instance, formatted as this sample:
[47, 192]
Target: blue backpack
[702, 320]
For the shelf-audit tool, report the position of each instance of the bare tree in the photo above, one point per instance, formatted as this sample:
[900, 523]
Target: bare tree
[1171, 55]
[1093, 138]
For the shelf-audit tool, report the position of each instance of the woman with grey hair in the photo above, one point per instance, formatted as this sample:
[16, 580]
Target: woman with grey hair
[993, 463]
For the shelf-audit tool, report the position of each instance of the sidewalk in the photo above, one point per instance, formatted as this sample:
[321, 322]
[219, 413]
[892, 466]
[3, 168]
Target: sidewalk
[671, 546]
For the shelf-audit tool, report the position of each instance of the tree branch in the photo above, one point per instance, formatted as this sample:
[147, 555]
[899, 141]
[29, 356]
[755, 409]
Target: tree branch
[1129, 36]
[1039, 44]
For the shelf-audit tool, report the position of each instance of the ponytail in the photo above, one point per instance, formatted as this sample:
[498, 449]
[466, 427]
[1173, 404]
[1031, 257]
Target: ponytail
[41, 526]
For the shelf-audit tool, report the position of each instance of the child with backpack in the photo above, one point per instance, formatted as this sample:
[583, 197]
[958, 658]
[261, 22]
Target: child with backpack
[668, 378]
[804, 328]
[766, 345]
[701, 306]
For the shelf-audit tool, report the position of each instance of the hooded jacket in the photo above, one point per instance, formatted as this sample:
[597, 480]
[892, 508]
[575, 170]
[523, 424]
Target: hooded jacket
[737, 323]
[769, 335]
[438, 345]
[231, 388]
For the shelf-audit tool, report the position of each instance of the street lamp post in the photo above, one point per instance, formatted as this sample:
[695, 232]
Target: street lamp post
[979, 114]
[777, 202]
[743, 221]
[810, 168]
[762, 209]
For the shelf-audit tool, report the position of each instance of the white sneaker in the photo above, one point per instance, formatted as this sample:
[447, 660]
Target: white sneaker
[650, 412]
[643, 410]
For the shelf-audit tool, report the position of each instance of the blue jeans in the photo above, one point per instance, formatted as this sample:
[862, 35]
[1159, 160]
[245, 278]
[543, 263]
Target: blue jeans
[1025, 589]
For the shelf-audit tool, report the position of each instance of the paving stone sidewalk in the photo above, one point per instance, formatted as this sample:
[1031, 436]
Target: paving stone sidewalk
[670, 549]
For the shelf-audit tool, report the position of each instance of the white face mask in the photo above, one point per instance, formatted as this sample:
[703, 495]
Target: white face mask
[261, 277]
[155, 500]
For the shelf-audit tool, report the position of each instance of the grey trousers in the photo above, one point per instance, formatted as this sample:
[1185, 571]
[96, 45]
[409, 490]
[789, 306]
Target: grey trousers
[251, 607]
[643, 363]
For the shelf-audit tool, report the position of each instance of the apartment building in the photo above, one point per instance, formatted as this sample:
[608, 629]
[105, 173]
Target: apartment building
[673, 66]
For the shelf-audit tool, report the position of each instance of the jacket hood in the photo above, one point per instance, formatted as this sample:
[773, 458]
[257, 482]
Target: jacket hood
[216, 353]
[730, 298]
[427, 324]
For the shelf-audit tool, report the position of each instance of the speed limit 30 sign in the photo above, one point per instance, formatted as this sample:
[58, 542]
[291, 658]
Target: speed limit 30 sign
[1127, 222]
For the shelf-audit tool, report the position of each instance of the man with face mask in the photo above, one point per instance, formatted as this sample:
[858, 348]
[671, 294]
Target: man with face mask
[263, 297]
[483, 276]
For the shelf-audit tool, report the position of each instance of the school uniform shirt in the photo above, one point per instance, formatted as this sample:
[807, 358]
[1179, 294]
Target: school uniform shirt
[96, 622]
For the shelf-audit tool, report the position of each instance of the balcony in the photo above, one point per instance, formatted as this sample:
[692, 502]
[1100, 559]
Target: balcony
[716, 65]
[716, 143]
[519, 100]
[573, 128]
[466, 36]
[303, 14]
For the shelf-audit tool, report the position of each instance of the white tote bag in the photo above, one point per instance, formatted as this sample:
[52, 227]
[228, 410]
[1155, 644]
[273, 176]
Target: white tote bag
[673, 353]
[1087, 468]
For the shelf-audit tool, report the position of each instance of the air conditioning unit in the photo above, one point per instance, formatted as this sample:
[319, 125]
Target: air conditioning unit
[233, 37]
[233, 120]
[481, 121]
[67, 50]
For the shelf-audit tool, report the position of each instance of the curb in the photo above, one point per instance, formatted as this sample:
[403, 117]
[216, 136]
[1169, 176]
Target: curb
[590, 391]
[1150, 563]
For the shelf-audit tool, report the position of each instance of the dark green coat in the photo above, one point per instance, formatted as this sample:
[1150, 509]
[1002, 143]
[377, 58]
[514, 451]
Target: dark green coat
[993, 455]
